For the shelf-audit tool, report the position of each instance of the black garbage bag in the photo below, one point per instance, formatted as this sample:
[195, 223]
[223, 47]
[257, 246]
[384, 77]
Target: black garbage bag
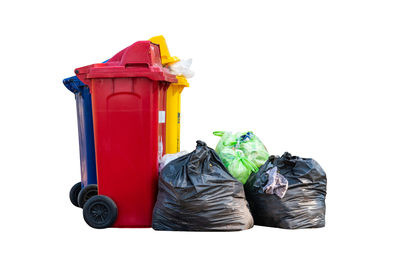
[303, 205]
[197, 193]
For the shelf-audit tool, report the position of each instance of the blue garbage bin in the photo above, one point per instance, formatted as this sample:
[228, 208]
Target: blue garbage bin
[83, 190]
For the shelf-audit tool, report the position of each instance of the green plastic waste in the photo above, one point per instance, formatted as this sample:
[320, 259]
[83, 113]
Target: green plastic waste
[242, 153]
[227, 155]
[254, 149]
[227, 138]
[240, 167]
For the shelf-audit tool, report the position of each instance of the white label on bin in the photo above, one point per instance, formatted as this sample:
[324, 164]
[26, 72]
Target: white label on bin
[161, 116]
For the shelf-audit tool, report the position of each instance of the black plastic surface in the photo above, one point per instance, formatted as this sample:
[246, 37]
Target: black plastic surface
[303, 206]
[196, 193]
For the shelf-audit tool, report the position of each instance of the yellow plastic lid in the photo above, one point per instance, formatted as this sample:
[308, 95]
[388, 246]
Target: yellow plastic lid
[165, 56]
[182, 81]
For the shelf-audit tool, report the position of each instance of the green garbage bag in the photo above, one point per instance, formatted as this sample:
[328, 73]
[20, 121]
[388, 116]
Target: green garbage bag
[228, 140]
[253, 149]
[227, 155]
[247, 142]
[239, 166]
[241, 153]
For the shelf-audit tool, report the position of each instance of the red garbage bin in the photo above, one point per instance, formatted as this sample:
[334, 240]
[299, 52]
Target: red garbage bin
[129, 98]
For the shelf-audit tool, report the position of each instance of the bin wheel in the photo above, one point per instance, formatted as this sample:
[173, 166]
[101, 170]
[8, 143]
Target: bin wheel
[100, 212]
[86, 193]
[74, 192]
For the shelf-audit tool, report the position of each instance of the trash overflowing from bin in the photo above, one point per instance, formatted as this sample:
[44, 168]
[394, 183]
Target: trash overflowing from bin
[182, 68]
[134, 174]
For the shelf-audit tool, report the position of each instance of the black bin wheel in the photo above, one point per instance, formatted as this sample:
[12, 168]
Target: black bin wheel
[100, 212]
[86, 193]
[74, 192]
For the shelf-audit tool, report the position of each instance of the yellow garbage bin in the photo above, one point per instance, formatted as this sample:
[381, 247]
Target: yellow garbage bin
[173, 111]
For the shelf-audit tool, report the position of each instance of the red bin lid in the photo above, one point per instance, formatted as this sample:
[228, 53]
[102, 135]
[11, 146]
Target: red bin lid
[141, 59]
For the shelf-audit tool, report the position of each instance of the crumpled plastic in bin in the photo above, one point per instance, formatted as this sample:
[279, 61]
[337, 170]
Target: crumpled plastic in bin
[182, 68]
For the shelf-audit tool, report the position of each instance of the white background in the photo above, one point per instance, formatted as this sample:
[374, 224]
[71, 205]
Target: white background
[319, 79]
